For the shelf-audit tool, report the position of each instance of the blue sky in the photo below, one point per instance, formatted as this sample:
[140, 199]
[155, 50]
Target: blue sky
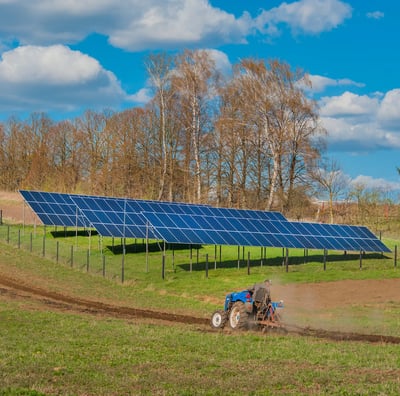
[63, 57]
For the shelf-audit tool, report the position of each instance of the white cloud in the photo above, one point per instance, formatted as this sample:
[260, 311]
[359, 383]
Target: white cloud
[348, 104]
[389, 111]
[38, 78]
[137, 25]
[364, 122]
[308, 16]
[143, 96]
[181, 23]
[221, 60]
[320, 83]
[129, 24]
[375, 15]
[47, 65]
[375, 184]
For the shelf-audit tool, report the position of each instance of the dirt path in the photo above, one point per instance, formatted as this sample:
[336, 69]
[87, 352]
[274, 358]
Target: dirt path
[13, 289]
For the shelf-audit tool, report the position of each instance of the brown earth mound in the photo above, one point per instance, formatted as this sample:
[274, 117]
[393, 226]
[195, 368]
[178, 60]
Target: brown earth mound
[14, 210]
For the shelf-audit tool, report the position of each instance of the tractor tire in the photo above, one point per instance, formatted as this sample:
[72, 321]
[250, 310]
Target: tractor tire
[218, 319]
[238, 317]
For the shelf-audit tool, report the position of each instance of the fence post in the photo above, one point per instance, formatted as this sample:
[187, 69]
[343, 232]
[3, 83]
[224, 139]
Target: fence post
[123, 266]
[325, 254]
[163, 267]
[57, 251]
[360, 259]
[207, 265]
[248, 263]
[44, 246]
[287, 260]
[191, 260]
[8, 234]
[395, 256]
[1, 216]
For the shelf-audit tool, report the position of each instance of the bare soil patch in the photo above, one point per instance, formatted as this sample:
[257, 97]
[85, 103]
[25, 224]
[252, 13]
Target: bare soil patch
[340, 293]
[14, 210]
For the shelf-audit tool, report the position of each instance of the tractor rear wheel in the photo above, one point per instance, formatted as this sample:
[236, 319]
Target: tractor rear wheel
[218, 319]
[238, 317]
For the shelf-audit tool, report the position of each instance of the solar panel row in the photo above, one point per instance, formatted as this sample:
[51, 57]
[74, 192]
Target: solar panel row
[230, 231]
[200, 224]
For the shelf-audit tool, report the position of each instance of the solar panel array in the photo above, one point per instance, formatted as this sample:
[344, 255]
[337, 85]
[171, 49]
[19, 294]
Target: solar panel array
[196, 224]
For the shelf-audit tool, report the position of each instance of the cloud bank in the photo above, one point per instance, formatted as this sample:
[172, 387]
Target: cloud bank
[137, 25]
[362, 122]
[41, 78]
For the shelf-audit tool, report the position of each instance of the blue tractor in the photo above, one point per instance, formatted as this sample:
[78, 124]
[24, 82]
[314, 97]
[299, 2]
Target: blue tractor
[249, 308]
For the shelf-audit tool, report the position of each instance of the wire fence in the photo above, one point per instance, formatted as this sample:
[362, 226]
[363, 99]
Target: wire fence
[113, 258]
[64, 251]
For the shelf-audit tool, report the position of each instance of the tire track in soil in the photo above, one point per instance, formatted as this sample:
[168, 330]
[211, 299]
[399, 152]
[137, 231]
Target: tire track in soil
[90, 306]
[57, 301]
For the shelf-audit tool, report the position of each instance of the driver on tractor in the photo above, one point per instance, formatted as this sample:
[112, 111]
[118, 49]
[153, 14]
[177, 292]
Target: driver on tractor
[261, 293]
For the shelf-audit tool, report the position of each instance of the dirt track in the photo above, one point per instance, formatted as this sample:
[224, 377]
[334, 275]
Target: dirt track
[12, 289]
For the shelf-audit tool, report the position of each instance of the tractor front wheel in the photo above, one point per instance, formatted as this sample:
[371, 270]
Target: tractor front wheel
[218, 319]
[238, 317]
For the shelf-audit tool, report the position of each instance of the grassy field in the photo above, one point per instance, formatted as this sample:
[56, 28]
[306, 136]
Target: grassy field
[52, 353]
[49, 352]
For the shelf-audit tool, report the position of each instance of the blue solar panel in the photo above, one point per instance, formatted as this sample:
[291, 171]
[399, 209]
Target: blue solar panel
[188, 223]
[54, 208]
[122, 217]
[215, 230]
[220, 230]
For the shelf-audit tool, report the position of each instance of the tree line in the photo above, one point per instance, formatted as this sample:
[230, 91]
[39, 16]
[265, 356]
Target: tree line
[252, 139]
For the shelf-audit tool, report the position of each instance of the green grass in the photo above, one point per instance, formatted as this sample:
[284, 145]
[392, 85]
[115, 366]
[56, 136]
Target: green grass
[47, 353]
[56, 353]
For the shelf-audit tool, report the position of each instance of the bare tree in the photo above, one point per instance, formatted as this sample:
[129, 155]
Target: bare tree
[159, 68]
[193, 79]
[228, 135]
[330, 180]
[273, 101]
[91, 126]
